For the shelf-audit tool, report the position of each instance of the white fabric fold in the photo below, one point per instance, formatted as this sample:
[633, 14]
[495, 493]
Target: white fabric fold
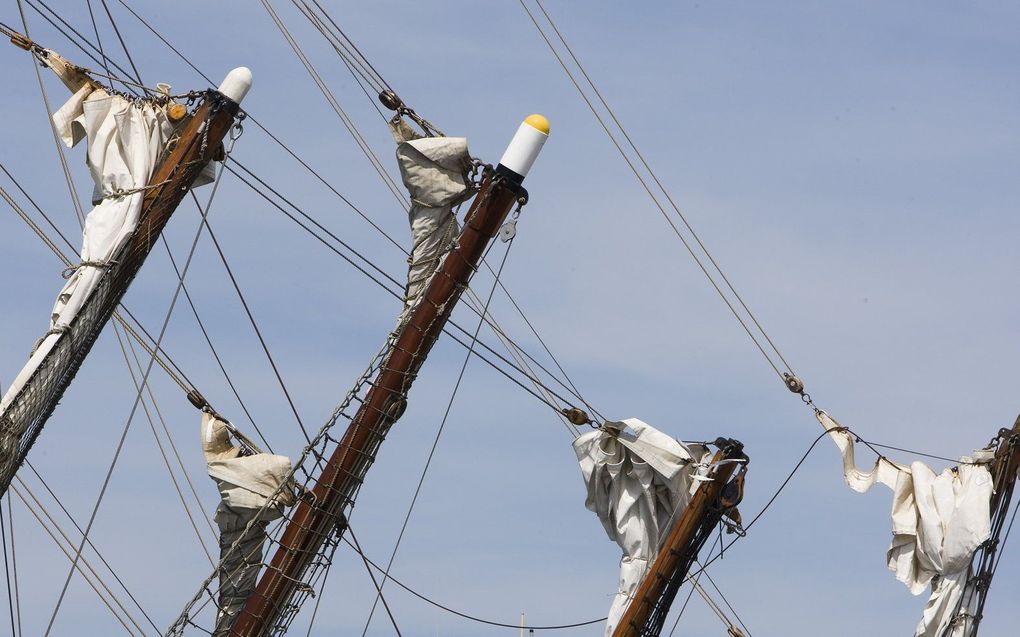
[244, 482]
[939, 522]
[125, 140]
[246, 485]
[637, 484]
[434, 170]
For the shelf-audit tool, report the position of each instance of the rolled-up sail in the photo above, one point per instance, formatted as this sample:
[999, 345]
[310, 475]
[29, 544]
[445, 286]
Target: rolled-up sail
[638, 483]
[125, 139]
[939, 522]
[142, 167]
[246, 484]
[435, 172]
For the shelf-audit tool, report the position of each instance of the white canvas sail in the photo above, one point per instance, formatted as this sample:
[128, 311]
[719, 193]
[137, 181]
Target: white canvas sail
[638, 483]
[125, 139]
[246, 484]
[434, 170]
[939, 522]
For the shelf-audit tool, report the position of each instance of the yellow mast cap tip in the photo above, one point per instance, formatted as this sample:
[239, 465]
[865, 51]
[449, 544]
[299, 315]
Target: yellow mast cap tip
[538, 122]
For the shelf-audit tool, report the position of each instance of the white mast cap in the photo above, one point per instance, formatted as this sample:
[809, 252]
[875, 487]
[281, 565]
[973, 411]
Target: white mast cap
[236, 84]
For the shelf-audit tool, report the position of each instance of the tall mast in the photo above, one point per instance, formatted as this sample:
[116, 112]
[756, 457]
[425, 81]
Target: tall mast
[198, 144]
[321, 513]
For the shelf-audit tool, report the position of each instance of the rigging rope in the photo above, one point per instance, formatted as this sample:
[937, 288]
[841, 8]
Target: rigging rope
[74, 523]
[251, 317]
[350, 204]
[14, 566]
[123, 46]
[84, 564]
[138, 396]
[397, 285]
[7, 567]
[463, 615]
[335, 104]
[662, 209]
[159, 445]
[375, 583]
[439, 433]
[53, 128]
[212, 348]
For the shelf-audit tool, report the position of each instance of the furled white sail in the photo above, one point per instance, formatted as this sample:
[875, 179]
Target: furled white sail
[125, 139]
[246, 485]
[638, 482]
[939, 522]
[435, 172]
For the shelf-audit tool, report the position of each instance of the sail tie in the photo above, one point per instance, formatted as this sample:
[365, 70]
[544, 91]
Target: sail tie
[69, 271]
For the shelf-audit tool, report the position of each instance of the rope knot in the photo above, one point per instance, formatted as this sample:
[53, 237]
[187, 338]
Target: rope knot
[69, 271]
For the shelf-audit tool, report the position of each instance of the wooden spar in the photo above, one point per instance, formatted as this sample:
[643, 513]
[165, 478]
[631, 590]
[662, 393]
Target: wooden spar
[316, 518]
[678, 552]
[1004, 467]
[1010, 455]
[199, 143]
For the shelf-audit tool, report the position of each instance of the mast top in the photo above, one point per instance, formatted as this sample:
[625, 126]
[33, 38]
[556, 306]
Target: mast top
[237, 83]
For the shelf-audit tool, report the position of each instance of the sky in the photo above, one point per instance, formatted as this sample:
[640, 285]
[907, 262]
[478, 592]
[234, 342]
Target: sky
[851, 166]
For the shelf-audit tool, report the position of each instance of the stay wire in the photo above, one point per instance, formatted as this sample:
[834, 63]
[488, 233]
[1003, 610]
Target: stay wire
[353, 46]
[7, 568]
[134, 407]
[375, 583]
[82, 570]
[439, 433]
[348, 123]
[740, 621]
[251, 318]
[159, 444]
[311, 170]
[548, 351]
[103, 60]
[395, 294]
[463, 615]
[662, 210]
[99, 40]
[74, 523]
[123, 45]
[14, 564]
[662, 188]
[53, 128]
[353, 62]
[212, 348]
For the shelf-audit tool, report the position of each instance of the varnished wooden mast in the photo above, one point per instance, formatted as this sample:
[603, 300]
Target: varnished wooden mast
[315, 518]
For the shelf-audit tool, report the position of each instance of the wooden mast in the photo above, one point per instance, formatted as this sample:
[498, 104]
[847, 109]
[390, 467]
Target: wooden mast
[654, 596]
[320, 514]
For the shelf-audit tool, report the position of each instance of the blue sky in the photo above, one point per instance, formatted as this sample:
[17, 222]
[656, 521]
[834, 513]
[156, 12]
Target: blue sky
[850, 165]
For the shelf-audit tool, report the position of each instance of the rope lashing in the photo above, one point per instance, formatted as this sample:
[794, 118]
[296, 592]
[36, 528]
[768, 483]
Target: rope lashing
[69, 271]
